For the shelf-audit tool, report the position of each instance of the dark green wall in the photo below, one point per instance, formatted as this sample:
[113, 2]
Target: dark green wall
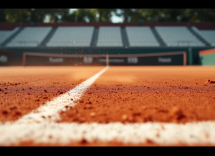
[16, 59]
[208, 59]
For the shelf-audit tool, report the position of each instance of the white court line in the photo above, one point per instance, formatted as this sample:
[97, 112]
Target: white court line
[50, 110]
[63, 133]
[47, 131]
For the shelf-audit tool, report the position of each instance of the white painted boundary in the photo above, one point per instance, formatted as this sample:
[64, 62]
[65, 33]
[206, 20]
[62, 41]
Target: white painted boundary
[45, 130]
[50, 110]
[160, 133]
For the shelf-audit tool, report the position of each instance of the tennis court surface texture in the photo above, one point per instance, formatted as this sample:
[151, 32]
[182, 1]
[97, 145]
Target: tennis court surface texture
[107, 106]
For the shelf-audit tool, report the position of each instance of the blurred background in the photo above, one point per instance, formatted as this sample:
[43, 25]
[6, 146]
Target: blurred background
[107, 15]
[125, 32]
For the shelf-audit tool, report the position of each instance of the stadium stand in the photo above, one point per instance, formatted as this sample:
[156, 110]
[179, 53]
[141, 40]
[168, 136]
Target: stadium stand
[5, 34]
[30, 37]
[141, 37]
[102, 38]
[208, 35]
[109, 37]
[178, 36]
[102, 35]
[72, 37]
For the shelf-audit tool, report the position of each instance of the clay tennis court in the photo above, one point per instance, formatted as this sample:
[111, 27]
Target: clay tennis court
[162, 105]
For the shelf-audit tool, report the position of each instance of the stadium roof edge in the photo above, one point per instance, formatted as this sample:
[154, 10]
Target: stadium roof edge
[200, 25]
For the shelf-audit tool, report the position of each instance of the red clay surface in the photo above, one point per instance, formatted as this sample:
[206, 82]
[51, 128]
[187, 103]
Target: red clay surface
[84, 143]
[25, 89]
[142, 94]
[121, 94]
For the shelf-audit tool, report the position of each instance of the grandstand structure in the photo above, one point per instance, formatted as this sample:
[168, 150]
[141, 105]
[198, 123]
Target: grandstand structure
[29, 37]
[5, 34]
[141, 37]
[208, 35]
[71, 37]
[178, 36]
[107, 38]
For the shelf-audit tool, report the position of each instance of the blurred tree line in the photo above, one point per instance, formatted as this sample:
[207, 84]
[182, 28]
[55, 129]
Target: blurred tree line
[104, 15]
